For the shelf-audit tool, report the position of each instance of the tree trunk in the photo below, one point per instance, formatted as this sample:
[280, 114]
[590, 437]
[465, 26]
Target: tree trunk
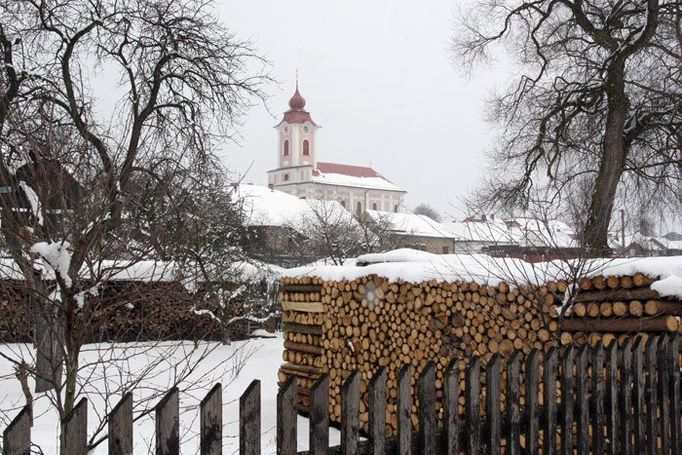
[611, 168]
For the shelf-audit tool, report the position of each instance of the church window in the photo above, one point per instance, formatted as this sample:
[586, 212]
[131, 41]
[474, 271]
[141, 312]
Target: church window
[286, 147]
[306, 147]
[343, 204]
[395, 208]
[358, 209]
[374, 206]
[286, 177]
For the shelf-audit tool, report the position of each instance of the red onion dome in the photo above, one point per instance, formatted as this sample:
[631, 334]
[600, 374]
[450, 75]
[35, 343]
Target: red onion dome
[297, 102]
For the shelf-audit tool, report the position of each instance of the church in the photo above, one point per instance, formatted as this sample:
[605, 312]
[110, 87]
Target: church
[357, 188]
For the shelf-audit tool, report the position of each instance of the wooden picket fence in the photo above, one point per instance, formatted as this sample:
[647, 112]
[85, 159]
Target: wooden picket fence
[630, 406]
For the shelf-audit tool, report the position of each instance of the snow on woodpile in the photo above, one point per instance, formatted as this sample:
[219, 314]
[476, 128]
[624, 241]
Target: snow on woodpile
[417, 266]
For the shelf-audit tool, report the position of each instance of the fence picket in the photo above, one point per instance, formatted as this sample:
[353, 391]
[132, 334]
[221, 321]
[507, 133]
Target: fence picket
[16, 438]
[427, 410]
[549, 388]
[350, 407]
[651, 402]
[625, 402]
[168, 424]
[377, 412]
[492, 395]
[473, 406]
[675, 396]
[211, 422]
[532, 408]
[451, 408]
[582, 396]
[404, 411]
[567, 401]
[249, 420]
[612, 429]
[664, 392]
[287, 417]
[513, 402]
[74, 438]
[120, 424]
[638, 406]
[598, 388]
[319, 416]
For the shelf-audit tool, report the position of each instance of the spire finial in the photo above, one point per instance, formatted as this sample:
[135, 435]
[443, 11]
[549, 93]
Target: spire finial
[296, 78]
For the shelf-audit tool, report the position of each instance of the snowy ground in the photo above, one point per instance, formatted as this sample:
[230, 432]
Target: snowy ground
[234, 366]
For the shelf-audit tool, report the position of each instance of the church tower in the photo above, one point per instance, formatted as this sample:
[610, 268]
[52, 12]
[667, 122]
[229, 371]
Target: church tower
[297, 145]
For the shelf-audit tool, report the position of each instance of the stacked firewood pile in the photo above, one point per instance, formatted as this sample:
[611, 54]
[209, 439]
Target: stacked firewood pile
[607, 308]
[336, 327]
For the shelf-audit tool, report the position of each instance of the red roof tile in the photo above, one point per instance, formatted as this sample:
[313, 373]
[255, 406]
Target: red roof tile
[346, 169]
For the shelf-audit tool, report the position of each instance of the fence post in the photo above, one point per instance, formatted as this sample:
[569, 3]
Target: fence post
[492, 395]
[286, 417]
[404, 411]
[612, 398]
[350, 407]
[120, 438]
[211, 422]
[651, 402]
[598, 398]
[74, 439]
[638, 405]
[249, 420]
[377, 412]
[675, 396]
[532, 402]
[626, 399]
[513, 402]
[473, 406]
[167, 424]
[583, 419]
[567, 401]
[16, 439]
[663, 392]
[451, 408]
[549, 383]
[427, 410]
[319, 416]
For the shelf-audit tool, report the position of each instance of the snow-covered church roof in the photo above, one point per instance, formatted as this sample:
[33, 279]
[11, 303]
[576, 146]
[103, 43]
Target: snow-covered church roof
[352, 176]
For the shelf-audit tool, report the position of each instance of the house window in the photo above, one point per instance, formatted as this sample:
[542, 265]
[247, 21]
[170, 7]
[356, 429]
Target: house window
[395, 208]
[286, 177]
[446, 250]
[306, 147]
[286, 147]
[343, 204]
[358, 208]
[374, 206]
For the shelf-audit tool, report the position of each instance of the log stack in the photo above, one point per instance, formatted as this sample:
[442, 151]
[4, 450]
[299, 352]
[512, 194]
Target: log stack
[336, 327]
[607, 308]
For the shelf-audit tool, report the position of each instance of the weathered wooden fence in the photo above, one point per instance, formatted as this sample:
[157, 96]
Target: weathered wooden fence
[591, 400]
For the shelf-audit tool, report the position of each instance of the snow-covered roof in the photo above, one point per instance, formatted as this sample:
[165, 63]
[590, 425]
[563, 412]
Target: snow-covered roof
[518, 231]
[411, 224]
[149, 271]
[263, 206]
[352, 176]
[418, 266]
[495, 232]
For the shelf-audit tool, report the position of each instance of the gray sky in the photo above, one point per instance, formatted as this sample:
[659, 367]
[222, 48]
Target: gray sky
[379, 77]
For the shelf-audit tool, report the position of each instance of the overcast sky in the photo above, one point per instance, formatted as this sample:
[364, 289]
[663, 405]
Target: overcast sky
[380, 78]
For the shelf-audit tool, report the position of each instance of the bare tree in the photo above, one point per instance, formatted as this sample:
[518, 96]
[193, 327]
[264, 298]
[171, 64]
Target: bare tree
[427, 210]
[92, 198]
[600, 98]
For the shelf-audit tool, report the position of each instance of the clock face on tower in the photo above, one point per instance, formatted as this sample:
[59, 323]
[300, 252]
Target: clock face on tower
[306, 130]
